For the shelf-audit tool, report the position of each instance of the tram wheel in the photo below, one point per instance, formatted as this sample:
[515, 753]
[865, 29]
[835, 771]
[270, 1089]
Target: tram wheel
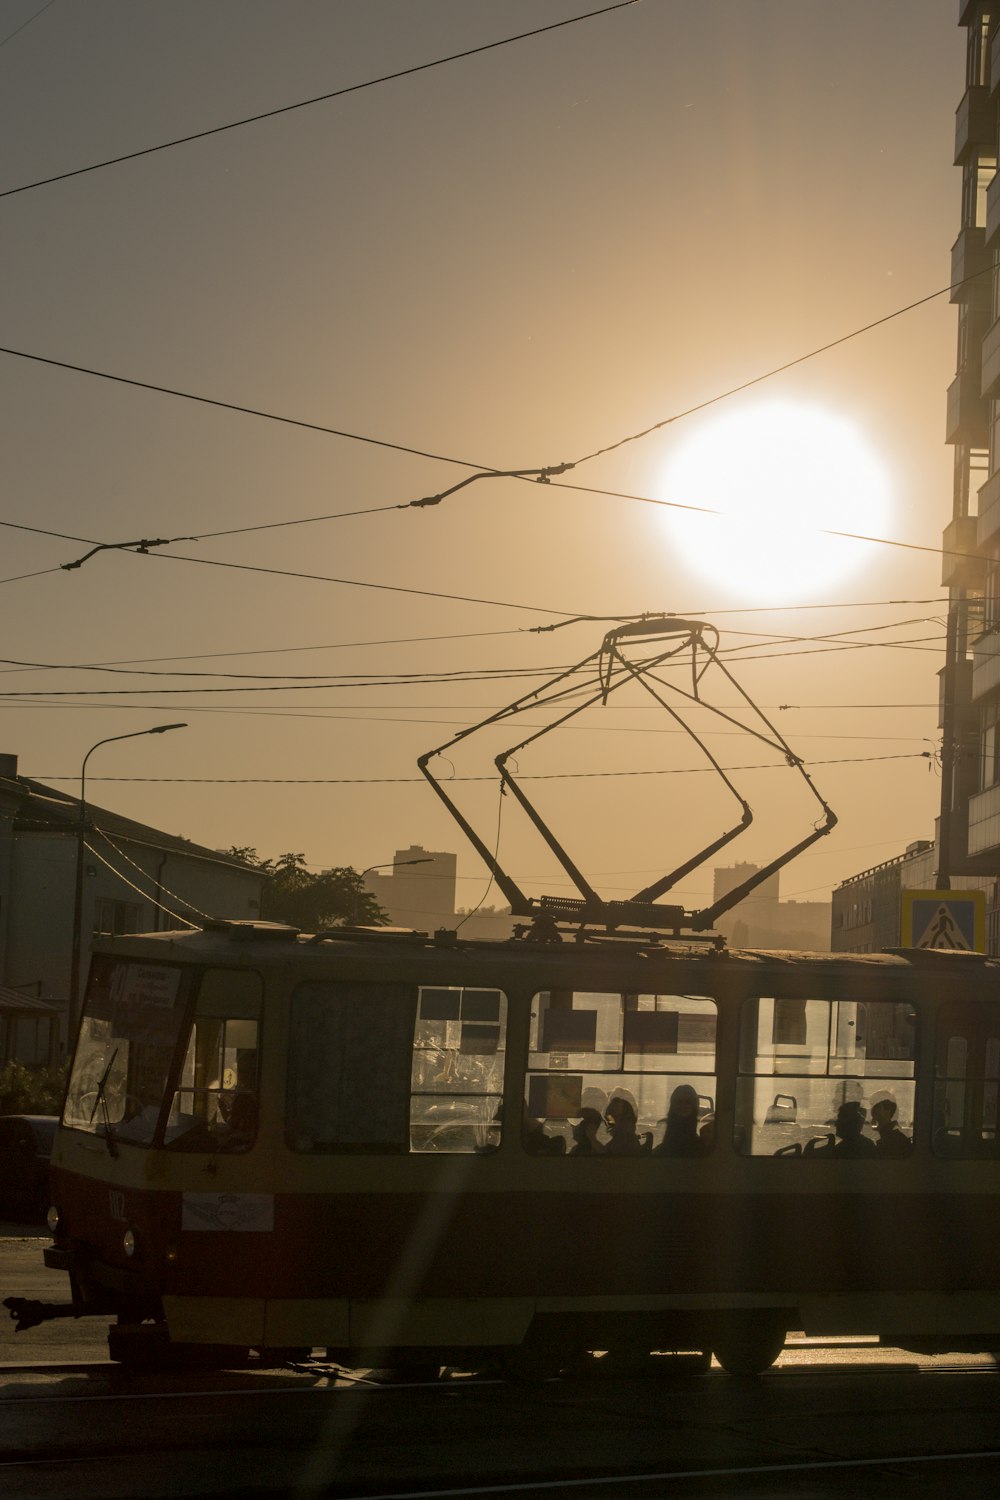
[748, 1345]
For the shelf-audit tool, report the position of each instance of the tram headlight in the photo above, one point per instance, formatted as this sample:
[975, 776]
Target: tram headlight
[53, 1219]
[129, 1242]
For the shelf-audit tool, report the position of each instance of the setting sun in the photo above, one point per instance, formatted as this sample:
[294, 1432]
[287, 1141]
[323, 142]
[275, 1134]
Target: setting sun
[778, 473]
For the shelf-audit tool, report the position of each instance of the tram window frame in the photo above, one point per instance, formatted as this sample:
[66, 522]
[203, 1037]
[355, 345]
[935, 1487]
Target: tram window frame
[582, 1058]
[805, 1051]
[457, 1109]
[431, 1025]
[350, 1119]
[224, 1110]
[966, 1081]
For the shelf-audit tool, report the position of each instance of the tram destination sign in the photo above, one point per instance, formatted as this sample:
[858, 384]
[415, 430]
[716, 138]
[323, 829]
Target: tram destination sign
[947, 920]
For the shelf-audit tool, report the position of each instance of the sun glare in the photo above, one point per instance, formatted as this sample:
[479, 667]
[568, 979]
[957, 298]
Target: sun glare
[778, 472]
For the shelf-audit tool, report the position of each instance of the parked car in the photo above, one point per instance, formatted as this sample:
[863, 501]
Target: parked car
[25, 1148]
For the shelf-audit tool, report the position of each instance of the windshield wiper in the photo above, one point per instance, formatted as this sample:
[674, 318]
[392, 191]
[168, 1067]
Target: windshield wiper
[102, 1099]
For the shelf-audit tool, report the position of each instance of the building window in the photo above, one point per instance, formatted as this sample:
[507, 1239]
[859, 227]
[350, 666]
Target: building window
[115, 917]
[989, 746]
[977, 57]
[977, 174]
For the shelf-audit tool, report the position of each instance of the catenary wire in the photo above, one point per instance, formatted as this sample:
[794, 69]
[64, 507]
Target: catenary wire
[18, 29]
[134, 670]
[417, 680]
[843, 760]
[133, 887]
[183, 900]
[486, 471]
[285, 109]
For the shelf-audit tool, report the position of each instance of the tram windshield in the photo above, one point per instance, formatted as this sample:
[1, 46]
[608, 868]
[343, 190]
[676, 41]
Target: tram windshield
[129, 1035]
[136, 1027]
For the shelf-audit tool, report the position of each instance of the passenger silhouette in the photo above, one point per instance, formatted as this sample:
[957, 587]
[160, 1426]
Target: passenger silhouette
[891, 1140]
[681, 1135]
[585, 1134]
[849, 1142]
[620, 1119]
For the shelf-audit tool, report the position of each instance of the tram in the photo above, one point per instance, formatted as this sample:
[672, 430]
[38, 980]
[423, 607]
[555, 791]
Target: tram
[607, 1132]
[408, 1149]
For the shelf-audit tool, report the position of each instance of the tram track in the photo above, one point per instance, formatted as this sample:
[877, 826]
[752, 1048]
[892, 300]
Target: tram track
[370, 1441]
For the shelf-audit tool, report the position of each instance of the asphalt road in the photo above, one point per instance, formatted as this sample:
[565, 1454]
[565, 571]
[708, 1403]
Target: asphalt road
[833, 1419]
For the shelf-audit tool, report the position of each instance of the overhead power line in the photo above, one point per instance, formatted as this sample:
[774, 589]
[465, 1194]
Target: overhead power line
[844, 760]
[544, 474]
[286, 109]
[24, 24]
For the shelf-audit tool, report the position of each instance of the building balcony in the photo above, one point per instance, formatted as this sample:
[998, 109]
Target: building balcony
[984, 821]
[991, 361]
[975, 122]
[988, 521]
[967, 419]
[985, 666]
[993, 208]
[961, 565]
[970, 263]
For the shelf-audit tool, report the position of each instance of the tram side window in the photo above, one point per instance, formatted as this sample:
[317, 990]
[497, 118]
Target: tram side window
[825, 1077]
[620, 1075]
[215, 1104]
[457, 1074]
[129, 1035]
[349, 1060]
[967, 1080]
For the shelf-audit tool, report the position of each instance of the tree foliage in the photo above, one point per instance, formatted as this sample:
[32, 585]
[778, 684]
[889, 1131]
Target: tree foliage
[292, 894]
[31, 1091]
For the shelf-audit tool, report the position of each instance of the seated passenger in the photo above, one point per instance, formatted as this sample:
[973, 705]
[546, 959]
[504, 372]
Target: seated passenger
[849, 1141]
[620, 1119]
[681, 1135]
[535, 1140]
[891, 1140]
[585, 1134]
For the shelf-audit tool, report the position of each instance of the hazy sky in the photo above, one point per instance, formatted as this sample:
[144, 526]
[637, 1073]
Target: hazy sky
[512, 260]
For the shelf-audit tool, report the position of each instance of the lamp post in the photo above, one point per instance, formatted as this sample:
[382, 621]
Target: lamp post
[81, 833]
[390, 864]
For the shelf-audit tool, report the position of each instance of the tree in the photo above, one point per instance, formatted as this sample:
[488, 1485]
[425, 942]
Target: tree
[292, 894]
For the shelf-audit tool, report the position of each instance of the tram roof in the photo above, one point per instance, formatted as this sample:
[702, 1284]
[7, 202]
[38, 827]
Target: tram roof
[273, 942]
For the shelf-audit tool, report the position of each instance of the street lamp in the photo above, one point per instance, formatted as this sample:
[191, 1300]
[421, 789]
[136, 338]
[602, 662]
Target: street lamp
[81, 831]
[389, 864]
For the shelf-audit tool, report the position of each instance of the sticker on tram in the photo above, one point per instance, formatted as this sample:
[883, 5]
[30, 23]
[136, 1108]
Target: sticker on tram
[228, 1211]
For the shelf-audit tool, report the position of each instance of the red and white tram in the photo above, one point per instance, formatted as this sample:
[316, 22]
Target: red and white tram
[409, 1150]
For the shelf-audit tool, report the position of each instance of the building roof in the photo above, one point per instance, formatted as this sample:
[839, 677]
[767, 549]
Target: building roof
[14, 1002]
[43, 809]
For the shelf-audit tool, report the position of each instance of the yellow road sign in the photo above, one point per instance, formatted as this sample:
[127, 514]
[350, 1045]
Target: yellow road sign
[947, 920]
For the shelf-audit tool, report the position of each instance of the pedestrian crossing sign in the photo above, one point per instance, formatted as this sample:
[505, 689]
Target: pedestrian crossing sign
[953, 921]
